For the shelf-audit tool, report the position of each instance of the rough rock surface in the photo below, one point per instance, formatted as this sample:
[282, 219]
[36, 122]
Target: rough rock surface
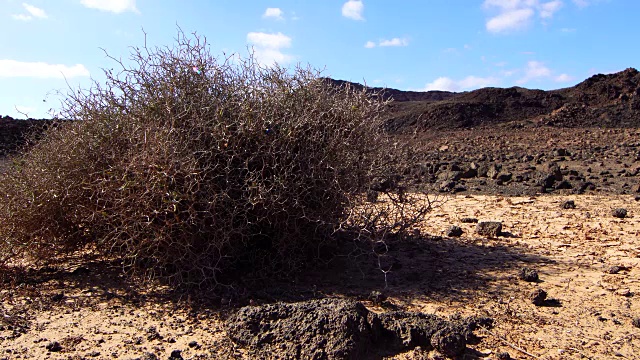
[490, 229]
[344, 329]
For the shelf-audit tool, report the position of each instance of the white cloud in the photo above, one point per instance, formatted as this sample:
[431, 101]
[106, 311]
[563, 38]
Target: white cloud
[394, 42]
[266, 40]
[353, 9]
[549, 8]
[34, 12]
[537, 70]
[517, 14]
[581, 3]
[510, 20]
[13, 68]
[468, 83]
[563, 78]
[274, 13]
[267, 47]
[387, 43]
[21, 17]
[114, 6]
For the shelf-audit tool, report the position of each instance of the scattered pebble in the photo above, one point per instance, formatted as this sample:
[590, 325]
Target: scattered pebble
[569, 204]
[454, 231]
[490, 229]
[53, 346]
[469, 220]
[614, 269]
[529, 275]
[620, 213]
[537, 297]
[176, 355]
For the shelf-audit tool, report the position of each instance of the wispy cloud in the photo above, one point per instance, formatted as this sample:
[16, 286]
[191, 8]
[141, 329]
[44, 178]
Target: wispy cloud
[353, 9]
[370, 44]
[387, 42]
[13, 68]
[518, 14]
[510, 20]
[273, 13]
[468, 83]
[268, 47]
[33, 12]
[563, 78]
[536, 70]
[114, 6]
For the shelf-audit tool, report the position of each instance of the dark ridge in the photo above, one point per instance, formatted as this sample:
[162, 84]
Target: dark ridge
[398, 95]
[14, 133]
[600, 101]
[608, 101]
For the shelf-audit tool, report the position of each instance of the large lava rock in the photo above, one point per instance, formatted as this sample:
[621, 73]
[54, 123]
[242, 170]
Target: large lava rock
[344, 329]
[317, 329]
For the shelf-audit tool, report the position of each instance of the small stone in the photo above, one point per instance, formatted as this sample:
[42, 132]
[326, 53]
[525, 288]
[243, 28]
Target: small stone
[53, 346]
[176, 355]
[624, 292]
[490, 229]
[614, 269]
[636, 322]
[448, 342]
[503, 356]
[149, 356]
[94, 354]
[569, 204]
[454, 231]
[469, 220]
[620, 213]
[194, 344]
[537, 297]
[529, 275]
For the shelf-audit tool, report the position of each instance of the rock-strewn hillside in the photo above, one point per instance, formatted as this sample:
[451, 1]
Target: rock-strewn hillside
[600, 101]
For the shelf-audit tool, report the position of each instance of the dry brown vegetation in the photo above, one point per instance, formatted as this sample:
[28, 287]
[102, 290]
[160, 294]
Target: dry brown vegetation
[183, 165]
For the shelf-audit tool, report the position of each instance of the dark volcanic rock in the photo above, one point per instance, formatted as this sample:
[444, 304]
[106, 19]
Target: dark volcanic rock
[469, 220]
[490, 229]
[454, 231]
[620, 213]
[537, 297]
[529, 275]
[317, 329]
[54, 346]
[344, 329]
[569, 204]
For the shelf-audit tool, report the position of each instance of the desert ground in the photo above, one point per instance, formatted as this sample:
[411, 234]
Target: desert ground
[558, 170]
[586, 257]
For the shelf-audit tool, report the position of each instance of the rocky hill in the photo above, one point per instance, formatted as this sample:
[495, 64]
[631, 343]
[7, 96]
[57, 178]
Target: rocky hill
[600, 101]
[610, 101]
[14, 133]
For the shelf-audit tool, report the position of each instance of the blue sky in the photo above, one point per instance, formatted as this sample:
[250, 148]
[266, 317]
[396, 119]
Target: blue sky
[454, 45]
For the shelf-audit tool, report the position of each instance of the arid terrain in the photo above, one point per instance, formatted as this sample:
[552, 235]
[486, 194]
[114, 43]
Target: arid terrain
[559, 170]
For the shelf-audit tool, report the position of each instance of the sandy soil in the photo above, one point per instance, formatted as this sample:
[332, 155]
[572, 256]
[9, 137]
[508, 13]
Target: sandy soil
[92, 313]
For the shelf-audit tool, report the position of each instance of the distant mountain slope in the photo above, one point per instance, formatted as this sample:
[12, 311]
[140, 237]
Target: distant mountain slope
[602, 100]
[611, 100]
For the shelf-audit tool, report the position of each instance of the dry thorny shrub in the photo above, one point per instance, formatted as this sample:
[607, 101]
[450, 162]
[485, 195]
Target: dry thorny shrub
[185, 165]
